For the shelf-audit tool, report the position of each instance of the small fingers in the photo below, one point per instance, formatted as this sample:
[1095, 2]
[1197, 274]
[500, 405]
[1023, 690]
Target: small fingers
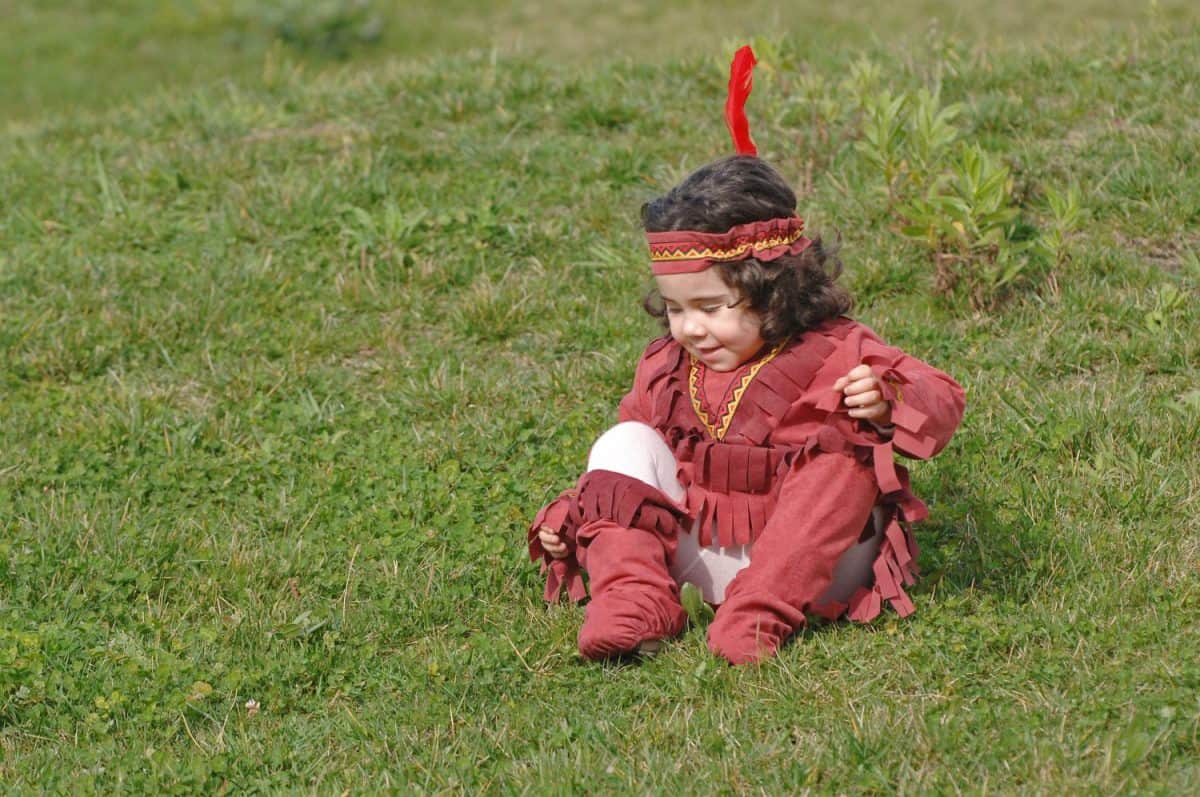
[859, 372]
[863, 399]
[858, 376]
[873, 412]
[552, 544]
[861, 385]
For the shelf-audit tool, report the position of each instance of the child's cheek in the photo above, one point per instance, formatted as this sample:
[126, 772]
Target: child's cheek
[676, 332]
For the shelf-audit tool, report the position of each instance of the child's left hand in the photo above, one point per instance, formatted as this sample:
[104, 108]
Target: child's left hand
[863, 397]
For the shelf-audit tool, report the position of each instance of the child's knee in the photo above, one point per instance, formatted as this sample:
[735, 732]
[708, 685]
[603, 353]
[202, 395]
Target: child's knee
[623, 442]
[637, 450]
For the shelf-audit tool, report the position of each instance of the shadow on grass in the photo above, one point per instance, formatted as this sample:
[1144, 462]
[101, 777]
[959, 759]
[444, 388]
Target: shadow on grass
[626, 661]
[967, 546]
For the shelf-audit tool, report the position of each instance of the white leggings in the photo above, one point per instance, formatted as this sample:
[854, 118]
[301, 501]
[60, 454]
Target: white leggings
[636, 450]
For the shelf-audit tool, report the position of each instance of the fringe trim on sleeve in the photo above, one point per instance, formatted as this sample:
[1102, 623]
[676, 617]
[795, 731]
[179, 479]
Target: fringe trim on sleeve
[599, 495]
[910, 435]
[560, 573]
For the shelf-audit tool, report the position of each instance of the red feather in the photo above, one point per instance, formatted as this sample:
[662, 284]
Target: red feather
[741, 74]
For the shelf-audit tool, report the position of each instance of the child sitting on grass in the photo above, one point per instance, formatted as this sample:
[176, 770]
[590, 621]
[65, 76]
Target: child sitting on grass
[754, 454]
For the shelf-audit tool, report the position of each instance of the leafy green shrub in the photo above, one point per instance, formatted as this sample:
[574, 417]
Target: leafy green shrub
[965, 219]
[954, 198]
[334, 28]
[905, 137]
[1064, 211]
[884, 138]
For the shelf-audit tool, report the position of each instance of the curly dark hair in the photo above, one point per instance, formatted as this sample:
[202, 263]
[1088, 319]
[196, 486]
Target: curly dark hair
[791, 294]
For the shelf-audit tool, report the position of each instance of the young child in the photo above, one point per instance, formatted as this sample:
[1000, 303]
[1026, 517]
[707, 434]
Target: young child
[754, 454]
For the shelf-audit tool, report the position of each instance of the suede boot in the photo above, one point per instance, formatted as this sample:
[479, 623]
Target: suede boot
[635, 602]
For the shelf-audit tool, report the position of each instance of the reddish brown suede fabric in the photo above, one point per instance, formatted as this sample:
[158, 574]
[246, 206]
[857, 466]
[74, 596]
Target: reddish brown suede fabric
[792, 564]
[794, 474]
[634, 598]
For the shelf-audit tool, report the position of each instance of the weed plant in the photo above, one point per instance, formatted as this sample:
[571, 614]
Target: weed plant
[289, 361]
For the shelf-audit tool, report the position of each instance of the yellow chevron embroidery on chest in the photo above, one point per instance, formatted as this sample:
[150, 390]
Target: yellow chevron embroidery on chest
[719, 430]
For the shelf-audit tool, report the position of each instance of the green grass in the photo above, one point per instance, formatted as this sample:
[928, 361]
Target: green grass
[290, 357]
[87, 55]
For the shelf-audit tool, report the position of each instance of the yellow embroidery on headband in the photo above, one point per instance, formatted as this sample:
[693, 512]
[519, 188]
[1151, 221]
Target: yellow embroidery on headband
[668, 253]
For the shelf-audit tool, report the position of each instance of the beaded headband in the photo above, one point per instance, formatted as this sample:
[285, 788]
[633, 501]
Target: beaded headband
[687, 251]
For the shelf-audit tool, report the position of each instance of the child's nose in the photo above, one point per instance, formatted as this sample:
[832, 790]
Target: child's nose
[692, 327]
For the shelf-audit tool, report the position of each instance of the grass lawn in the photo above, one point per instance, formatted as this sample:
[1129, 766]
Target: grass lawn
[297, 331]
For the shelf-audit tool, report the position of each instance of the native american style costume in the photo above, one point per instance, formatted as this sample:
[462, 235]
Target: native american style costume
[760, 468]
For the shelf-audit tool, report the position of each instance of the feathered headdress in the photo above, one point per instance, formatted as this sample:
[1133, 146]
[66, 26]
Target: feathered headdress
[686, 251]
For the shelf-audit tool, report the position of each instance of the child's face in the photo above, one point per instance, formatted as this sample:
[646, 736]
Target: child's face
[703, 321]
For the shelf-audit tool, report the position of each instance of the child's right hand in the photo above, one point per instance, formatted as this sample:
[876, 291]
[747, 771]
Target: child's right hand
[552, 543]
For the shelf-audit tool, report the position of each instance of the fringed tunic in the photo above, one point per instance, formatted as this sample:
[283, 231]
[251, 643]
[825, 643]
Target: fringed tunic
[739, 438]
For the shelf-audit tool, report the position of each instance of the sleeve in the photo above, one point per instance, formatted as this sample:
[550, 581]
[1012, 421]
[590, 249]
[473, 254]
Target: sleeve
[638, 403]
[633, 406]
[561, 574]
[927, 404]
